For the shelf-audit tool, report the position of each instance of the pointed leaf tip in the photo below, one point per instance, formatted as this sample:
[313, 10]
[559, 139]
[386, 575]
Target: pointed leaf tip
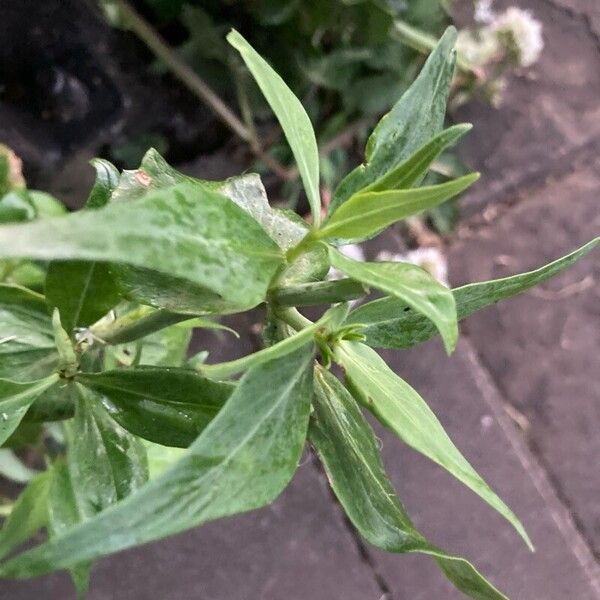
[291, 115]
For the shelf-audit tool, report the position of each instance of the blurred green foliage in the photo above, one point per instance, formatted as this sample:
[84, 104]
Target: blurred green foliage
[343, 58]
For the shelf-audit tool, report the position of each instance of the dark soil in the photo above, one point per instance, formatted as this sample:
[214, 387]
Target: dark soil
[70, 83]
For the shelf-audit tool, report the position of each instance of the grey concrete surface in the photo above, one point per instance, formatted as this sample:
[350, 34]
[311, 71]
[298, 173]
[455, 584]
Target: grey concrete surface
[470, 408]
[542, 348]
[550, 111]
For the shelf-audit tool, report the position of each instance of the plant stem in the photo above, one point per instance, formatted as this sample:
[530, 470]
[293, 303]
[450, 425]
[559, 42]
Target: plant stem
[307, 243]
[321, 292]
[197, 85]
[424, 43]
[136, 324]
[294, 318]
[232, 367]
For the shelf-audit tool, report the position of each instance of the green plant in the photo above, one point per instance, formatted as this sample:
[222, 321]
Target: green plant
[328, 52]
[153, 442]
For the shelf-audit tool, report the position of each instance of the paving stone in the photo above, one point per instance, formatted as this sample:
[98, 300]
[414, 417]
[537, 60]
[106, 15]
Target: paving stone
[548, 110]
[588, 10]
[454, 517]
[298, 548]
[542, 347]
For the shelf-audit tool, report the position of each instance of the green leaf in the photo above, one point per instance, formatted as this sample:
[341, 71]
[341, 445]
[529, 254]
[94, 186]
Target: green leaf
[348, 450]
[165, 348]
[200, 323]
[389, 323]
[27, 349]
[164, 405]
[82, 291]
[64, 513]
[367, 213]
[242, 461]
[68, 362]
[5, 171]
[28, 515]
[130, 322]
[409, 173]
[46, 205]
[26, 434]
[249, 193]
[160, 458]
[292, 117]
[284, 227]
[153, 174]
[15, 399]
[280, 349]
[16, 207]
[107, 179]
[28, 274]
[412, 285]
[57, 403]
[401, 409]
[412, 122]
[106, 463]
[85, 291]
[194, 249]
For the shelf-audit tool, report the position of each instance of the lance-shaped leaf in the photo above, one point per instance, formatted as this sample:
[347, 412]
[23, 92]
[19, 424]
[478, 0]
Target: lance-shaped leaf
[15, 399]
[130, 322]
[410, 172]
[389, 323]
[413, 121]
[82, 291]
[292, 117]
[409, 283]
[104, 464]
[107, 179]
[64, 513]
[154, 173]
[165, 348]
[187, 248]
[27, 349]
[284, 227]
[348, 450]
[168, 406]
[368, 213]
[85, 291]
[398, 406]
[334, 316]
[28, 516]
[242, 461]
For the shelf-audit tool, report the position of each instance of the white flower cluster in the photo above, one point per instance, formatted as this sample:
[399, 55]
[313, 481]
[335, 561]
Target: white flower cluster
[524, 31]
[515, 32]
